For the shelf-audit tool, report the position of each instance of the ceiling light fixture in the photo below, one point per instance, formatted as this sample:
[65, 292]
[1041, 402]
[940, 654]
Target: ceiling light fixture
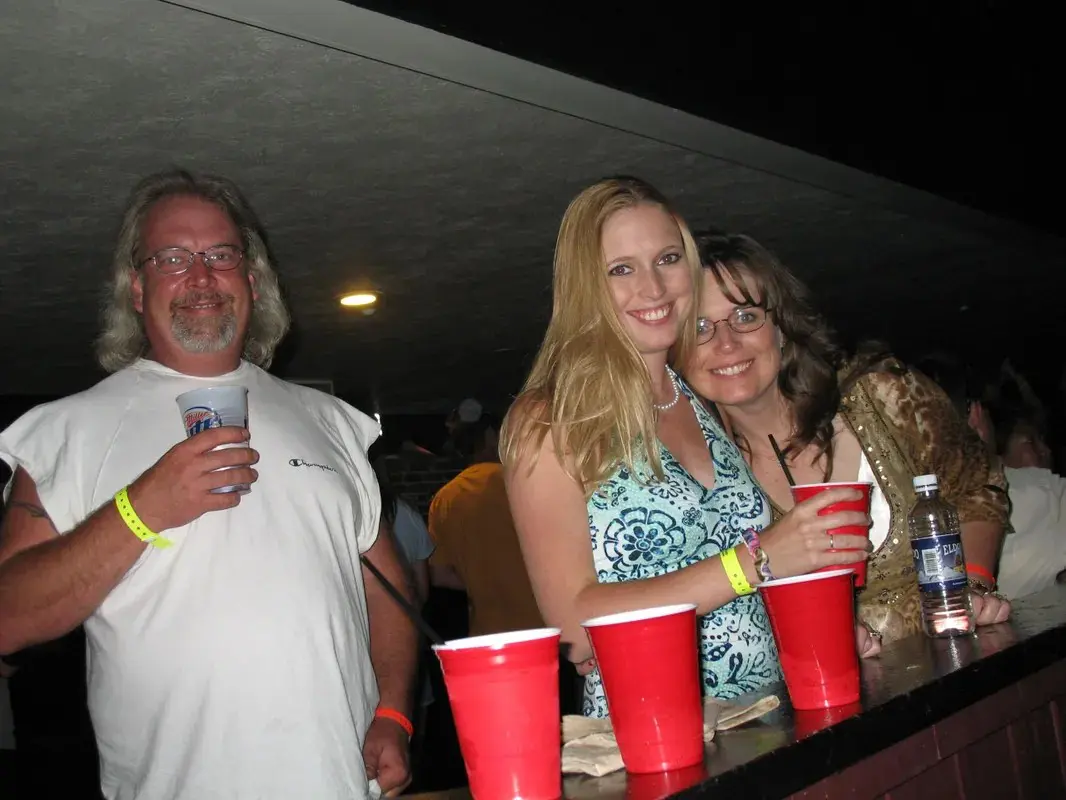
[360, 299]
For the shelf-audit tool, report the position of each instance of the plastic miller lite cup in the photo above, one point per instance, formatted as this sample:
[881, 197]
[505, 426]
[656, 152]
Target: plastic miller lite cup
[216, 407]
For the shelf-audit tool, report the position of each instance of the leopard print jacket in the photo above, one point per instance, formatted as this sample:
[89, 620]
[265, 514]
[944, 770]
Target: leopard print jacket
[907, 426]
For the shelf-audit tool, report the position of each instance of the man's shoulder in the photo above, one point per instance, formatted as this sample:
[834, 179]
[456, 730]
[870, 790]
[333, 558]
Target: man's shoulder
[97, 397]
[330, 409]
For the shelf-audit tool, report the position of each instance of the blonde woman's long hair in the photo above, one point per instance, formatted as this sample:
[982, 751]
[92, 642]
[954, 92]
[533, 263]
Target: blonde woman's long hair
[589, 385]
[123, 340]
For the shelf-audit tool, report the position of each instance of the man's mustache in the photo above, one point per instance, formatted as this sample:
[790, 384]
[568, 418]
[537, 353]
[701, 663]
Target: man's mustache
[200, 298]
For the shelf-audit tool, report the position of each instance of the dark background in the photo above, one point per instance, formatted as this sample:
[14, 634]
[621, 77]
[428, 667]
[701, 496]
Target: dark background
[957, 98]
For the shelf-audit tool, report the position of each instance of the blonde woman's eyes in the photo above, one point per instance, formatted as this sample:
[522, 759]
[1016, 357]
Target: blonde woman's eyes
[670, 258]
[619, 269]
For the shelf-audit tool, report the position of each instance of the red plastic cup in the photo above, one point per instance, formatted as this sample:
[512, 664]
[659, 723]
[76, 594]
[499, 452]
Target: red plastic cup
[813, 619]
[649, 664]
[504, 693]
[809, 490]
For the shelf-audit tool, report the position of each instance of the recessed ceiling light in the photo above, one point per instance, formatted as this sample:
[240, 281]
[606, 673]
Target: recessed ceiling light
[359, 299]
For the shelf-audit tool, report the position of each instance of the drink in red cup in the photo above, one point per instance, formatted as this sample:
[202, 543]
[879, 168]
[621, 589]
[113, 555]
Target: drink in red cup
[504, 694]
[649, 663]
[813, 619]
[809, 490]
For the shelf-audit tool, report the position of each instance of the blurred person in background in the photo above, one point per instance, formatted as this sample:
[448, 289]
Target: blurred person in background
[477, 549]
[410, 532]
[1034, 550]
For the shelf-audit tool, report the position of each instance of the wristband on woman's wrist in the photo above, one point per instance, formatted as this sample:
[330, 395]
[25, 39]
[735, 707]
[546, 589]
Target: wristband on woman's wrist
[983, 576]
[758, 555]
[735, 573]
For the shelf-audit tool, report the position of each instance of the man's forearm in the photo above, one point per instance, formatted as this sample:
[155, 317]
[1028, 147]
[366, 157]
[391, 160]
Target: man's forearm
[393, 637]
[50, 588]
[420, 576]
[981, 542]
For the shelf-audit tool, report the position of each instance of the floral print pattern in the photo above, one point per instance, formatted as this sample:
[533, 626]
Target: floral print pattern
[642, 530]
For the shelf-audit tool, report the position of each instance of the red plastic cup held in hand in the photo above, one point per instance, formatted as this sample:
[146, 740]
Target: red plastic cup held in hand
[809, 490]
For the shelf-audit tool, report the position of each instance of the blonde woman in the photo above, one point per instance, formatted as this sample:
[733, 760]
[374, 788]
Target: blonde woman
[625, 492]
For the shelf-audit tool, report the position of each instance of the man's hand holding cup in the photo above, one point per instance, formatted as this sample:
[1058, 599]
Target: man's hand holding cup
[183, 484]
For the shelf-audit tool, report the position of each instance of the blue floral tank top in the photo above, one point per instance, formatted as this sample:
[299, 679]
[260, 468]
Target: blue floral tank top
[644, 530]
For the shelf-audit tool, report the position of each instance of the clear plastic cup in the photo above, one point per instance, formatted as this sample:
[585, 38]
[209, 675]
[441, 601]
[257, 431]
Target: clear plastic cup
[216, 407]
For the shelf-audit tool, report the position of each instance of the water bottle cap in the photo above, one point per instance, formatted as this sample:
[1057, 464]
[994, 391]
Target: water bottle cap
[923, 483]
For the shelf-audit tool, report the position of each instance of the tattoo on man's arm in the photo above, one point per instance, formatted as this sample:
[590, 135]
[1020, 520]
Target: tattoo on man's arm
[33, 510]
[30, 508]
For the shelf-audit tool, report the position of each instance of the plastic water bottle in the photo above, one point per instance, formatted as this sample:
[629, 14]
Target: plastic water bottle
[939, 562]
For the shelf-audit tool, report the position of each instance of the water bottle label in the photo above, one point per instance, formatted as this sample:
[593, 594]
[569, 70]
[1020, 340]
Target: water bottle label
[939, 563]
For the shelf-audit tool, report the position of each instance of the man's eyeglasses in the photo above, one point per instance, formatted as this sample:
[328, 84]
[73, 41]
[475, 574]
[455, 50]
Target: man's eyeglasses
[744, 319]
[176, 260]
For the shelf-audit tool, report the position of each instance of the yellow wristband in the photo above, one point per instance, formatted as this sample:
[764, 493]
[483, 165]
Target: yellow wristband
[736, 573]
[133, 522]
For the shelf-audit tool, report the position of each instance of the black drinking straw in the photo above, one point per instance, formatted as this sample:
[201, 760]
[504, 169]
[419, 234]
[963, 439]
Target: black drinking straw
[781, 460]
[408, 609]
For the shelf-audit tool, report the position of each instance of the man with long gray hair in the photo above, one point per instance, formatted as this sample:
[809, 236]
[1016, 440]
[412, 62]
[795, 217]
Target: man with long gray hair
[233, 639]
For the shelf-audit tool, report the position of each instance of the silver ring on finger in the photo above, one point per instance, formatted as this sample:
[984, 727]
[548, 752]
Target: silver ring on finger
[831, 547]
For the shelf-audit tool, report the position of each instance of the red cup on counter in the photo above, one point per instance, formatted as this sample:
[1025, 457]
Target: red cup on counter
[809, 490]
[649, 663]
[813, 619]
[504, 694]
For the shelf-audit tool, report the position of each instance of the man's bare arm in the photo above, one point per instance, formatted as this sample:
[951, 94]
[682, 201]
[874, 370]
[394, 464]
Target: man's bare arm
[393, 637]
[49, 584]
[420, 575]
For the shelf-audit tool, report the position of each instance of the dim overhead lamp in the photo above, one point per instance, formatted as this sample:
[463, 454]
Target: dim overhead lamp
[359, 300]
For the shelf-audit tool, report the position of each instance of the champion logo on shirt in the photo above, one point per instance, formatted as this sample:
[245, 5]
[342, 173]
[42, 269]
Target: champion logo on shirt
[299, 462]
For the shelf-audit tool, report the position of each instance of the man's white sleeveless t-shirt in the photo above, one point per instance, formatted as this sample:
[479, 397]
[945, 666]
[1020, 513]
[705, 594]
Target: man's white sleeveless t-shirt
[234, 664]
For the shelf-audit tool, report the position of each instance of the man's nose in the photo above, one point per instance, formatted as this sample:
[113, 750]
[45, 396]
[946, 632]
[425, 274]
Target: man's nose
[199, 272]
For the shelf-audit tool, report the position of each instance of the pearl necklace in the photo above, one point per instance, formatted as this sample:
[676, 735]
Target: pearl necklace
[677, 393]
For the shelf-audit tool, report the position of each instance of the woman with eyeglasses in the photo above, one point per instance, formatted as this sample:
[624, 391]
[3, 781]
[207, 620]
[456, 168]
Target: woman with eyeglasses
[770, 366]
[625, 491]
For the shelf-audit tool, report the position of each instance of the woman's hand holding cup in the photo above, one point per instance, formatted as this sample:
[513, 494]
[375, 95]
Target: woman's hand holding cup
[799, 542]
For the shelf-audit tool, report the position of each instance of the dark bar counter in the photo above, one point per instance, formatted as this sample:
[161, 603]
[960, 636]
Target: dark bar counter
[949, 719]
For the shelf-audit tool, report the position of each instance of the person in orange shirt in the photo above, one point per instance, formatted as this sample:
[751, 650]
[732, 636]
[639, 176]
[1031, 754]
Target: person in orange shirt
[477, 549]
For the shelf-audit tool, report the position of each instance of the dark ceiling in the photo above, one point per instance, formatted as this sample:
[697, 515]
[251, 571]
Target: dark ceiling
[386, 155]
[957, 98]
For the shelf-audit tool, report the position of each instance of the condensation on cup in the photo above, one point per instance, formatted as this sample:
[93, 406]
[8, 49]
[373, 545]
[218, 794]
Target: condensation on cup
[216, 407]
